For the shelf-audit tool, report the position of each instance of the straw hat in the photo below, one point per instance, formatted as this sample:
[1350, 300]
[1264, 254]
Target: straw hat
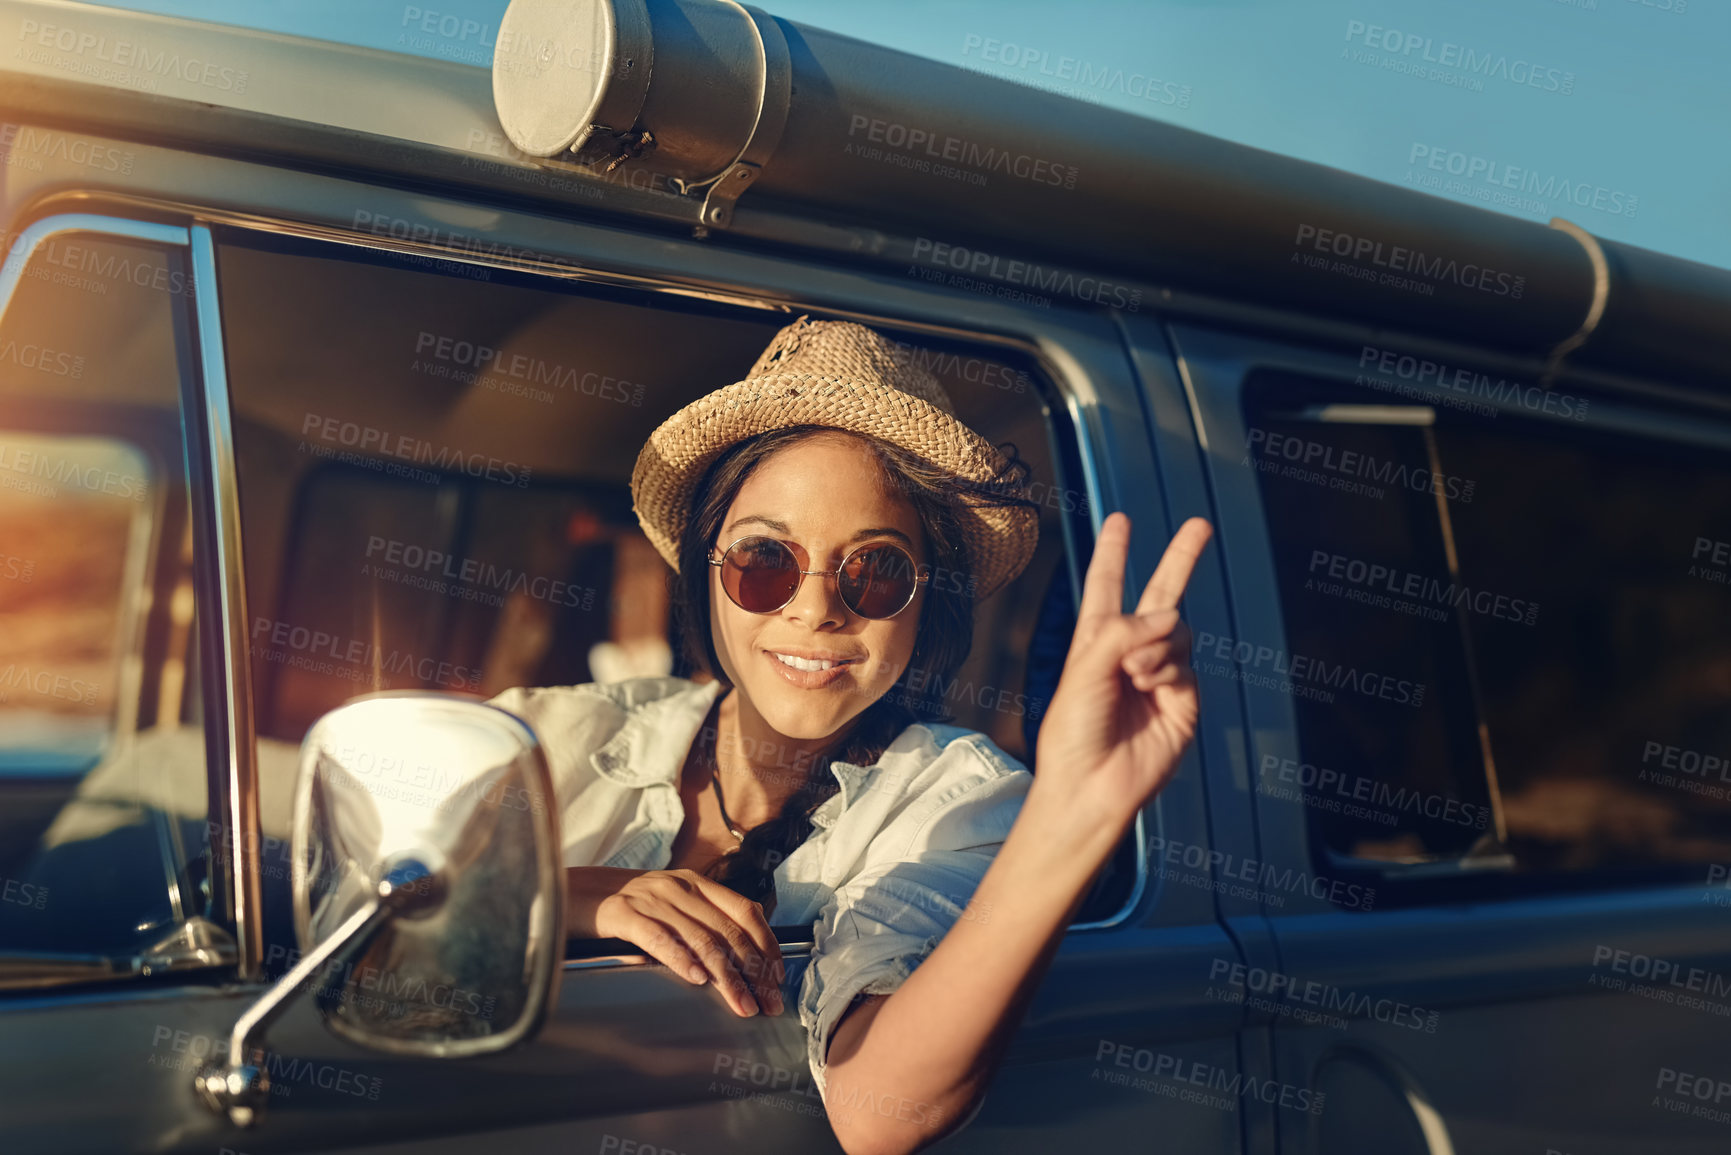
[845, 376]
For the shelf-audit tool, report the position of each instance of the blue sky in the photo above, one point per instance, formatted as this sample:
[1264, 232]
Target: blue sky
[1612, 113]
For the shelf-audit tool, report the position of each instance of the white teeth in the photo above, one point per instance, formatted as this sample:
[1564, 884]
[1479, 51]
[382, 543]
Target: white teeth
[804, 663]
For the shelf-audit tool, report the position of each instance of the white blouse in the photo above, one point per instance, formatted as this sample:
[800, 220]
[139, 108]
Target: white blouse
[891, 862]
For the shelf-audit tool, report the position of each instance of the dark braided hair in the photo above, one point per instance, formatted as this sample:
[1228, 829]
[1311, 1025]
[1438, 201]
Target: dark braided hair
[945, 634]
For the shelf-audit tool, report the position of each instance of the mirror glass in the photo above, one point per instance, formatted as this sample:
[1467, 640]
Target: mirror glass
[467, 961]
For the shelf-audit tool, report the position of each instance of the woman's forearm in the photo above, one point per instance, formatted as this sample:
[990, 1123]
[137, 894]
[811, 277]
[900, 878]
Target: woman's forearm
[931, 1047]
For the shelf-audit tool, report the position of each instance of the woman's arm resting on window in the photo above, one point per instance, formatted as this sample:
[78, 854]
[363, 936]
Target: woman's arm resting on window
[902, 1070]
[694, 926]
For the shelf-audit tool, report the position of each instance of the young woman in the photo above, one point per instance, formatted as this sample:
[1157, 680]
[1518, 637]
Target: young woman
[831, 524]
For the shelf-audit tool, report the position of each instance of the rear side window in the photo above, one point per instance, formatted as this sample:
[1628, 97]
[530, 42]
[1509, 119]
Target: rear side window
[1553, 593]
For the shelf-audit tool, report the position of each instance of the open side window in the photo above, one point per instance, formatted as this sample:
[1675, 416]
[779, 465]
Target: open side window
[434, 466]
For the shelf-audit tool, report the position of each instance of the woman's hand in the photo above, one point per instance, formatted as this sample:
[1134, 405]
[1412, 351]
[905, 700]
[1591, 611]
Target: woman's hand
[692, 925]
[1125, 707]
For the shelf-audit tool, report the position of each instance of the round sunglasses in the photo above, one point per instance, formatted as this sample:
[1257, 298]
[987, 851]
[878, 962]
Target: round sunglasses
[877, 580]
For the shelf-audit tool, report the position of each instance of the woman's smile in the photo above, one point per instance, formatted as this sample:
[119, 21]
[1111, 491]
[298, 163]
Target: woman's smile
[809, 673]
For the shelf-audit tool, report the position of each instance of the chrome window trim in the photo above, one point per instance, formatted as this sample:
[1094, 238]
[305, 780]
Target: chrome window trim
[31, 237]
[1088, 452]
[18, 256]
[241, 805]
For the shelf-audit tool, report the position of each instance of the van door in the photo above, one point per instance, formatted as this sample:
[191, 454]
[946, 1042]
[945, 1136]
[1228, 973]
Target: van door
[1479, 635]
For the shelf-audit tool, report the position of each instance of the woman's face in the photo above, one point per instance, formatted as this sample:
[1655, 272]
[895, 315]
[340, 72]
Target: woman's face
[827, 493]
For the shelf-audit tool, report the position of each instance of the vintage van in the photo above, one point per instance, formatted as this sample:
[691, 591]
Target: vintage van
[322, 371]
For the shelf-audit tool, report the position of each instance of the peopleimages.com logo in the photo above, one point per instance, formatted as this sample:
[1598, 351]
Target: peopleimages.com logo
[1400, 258]
[357, 659]
[934, 145]
[1661, 972]
[1425, 373]
[1407, 51]
[1190, 1073]
[52, 470]
[1389, 587]
[440, 572]
[1246, 983]
[1502, 178]
[1348, 470]
[1694, 1092]
[123, 62]
[1072, 75]
[45, 684]
[404, 448]
[475, 360]
[1319, 781]
[1031, 274]
[1225, 870]
[182, 1050]
[382, 987]
[22, 140]
[1300, 675]
[27, 894]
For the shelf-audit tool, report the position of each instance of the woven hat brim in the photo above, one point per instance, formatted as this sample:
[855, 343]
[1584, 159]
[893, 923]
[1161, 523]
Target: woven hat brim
[999, 540]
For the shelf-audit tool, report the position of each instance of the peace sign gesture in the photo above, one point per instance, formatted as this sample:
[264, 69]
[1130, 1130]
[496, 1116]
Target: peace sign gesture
[1126, 704]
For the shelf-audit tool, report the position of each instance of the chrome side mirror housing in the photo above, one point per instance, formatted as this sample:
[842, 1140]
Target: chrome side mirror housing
[427, 890]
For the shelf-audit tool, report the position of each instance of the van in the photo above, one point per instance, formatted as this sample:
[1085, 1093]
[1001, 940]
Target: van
[323, 370]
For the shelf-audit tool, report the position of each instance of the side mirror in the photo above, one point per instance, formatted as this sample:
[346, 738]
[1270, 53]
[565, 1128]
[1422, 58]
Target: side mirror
[427, 891]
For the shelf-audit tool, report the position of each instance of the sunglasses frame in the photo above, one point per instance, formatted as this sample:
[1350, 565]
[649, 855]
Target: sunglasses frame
[801, 558]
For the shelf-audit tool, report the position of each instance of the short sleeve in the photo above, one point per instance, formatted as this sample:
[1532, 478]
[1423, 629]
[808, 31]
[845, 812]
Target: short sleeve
[920, 873]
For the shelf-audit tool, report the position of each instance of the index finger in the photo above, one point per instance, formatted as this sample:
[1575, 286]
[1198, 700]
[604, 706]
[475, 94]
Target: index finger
[1103, 584]
[1172, 575]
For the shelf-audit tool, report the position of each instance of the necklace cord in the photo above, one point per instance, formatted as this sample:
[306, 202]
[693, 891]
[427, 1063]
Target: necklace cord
[712, 743]
[715, 783]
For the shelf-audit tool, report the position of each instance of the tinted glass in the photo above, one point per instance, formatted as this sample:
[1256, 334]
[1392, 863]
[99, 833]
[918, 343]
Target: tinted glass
[1547, 587]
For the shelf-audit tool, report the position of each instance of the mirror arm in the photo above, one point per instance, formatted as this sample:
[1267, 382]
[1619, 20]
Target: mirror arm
[240, 1087]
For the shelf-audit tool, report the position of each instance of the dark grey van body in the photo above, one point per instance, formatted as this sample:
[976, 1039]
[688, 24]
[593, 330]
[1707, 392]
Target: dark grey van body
[1241, 986]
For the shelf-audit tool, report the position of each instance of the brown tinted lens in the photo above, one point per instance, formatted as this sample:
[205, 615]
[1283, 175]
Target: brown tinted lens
[877, 581]
[760, 574]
